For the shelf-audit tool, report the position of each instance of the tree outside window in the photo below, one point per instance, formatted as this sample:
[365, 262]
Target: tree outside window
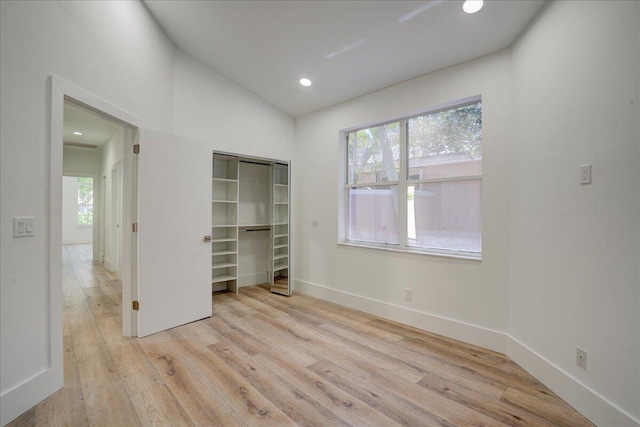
[85, 201]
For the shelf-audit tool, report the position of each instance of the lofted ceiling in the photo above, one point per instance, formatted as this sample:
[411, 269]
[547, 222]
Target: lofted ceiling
[347, 48]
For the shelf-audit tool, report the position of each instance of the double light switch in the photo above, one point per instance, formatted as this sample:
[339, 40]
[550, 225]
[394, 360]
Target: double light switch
[22, 226]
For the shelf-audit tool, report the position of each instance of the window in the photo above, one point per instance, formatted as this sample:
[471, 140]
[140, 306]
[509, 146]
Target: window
[416, 184]
[85, 201]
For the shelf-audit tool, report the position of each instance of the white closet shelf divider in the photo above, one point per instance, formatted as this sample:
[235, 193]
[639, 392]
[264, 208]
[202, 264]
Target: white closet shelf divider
[218, 265]
[222, 278]
[225, 252]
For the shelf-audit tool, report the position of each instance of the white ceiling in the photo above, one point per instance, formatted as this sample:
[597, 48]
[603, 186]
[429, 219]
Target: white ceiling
[347, 48]
[95, 129]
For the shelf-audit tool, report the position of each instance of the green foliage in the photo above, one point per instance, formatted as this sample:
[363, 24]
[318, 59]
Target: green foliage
[374, 154]
[85, 201]
[447, 132]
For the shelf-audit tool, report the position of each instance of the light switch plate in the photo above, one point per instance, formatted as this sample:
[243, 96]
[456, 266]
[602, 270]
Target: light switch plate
[22, 226]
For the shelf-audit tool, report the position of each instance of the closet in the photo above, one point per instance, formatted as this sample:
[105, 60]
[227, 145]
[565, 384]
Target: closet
[250, 230]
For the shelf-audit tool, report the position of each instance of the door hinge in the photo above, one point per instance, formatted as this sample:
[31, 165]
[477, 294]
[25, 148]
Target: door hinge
[135, 305]
[135, 227]
[136, 148]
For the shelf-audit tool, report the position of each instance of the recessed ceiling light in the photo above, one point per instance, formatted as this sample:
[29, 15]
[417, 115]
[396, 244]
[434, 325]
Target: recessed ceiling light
[305, 82]
[472, 6]
[77, 133]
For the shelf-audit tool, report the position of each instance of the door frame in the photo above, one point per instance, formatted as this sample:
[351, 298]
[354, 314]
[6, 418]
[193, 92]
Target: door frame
[62, 91]
[117, 216]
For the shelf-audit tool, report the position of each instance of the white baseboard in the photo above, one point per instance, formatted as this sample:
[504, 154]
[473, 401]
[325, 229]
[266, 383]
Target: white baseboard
[23, 397]
[76, 241]
[596, 408]
[593, 406]
[252, 279]
[472, 334]
[107, 263]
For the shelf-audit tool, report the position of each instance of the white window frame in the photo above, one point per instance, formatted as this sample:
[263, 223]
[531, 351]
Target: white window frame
[403, 183]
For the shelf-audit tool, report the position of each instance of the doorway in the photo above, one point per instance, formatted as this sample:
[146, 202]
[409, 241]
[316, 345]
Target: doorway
[116, 161]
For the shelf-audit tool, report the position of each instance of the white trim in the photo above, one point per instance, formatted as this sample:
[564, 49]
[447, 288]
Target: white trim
[589, 403]
[61, 91]
[23, 397]
[470, 256]
[77, 241]
[469, 333]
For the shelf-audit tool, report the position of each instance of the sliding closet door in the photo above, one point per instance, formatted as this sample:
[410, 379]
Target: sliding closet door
[280, 229]
[174, 215]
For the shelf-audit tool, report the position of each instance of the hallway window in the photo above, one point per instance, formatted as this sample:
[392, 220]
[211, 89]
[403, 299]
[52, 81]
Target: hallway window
[85, 201]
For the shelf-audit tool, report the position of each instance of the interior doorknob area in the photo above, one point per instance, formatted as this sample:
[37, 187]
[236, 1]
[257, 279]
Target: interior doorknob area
[206, 238]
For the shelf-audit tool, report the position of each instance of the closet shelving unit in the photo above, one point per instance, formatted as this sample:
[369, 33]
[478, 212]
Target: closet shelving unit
[246, 198]
[224, 226]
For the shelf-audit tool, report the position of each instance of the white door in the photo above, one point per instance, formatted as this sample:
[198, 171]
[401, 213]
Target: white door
[174, 214]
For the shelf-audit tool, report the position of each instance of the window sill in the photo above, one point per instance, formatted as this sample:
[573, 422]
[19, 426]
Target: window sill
[444, 254]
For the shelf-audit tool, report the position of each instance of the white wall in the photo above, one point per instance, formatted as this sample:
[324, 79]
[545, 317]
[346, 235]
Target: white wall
[211, 108]
[574, 249]
[71, 233]
[460, 298]
[81, 160]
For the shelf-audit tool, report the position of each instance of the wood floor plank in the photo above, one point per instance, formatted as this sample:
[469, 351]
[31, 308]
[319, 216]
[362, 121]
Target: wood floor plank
[158, 407]
[258, 305]
[334, 347]
[546, 406]
[440, 406]
[336, 400]
[491, 407]
[253, 408]
[296, 404]
[426, 362]
[65, 407]
[134, 367]
[283, 344]
[265, 359]
[200, 401]
[389, 404]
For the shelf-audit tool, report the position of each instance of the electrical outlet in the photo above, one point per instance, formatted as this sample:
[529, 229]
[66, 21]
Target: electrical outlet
[408, 294]
[581, 358]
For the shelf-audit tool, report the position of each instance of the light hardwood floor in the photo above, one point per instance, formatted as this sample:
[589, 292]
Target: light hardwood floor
[268, 360]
